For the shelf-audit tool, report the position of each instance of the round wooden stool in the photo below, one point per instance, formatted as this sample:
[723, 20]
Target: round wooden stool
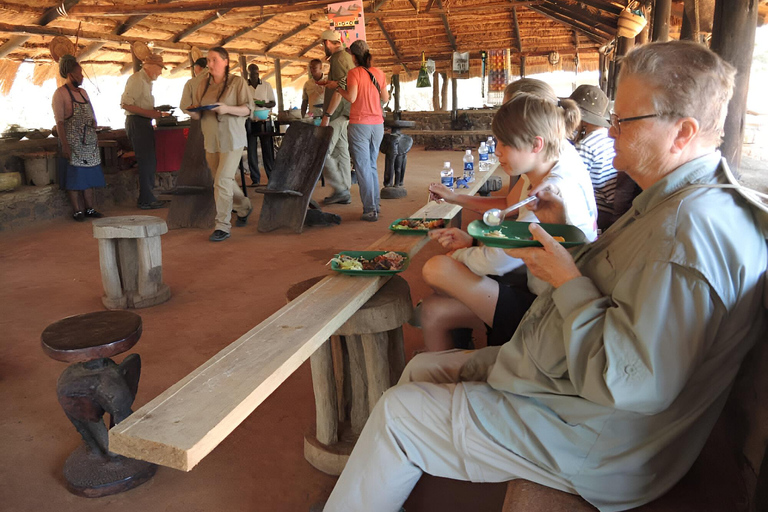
[363, 359]
[91, 386]
[131, 261]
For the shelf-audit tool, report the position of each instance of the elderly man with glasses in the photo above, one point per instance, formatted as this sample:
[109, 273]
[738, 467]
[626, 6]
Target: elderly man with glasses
[615, 377]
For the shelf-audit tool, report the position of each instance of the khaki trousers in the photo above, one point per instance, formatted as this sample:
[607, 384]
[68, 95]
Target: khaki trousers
[338, 166]
[226, 192]
[424, 425]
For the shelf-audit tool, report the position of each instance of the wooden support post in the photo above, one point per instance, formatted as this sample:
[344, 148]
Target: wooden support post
[642, 37]
[444, 92]
[454, 97]
[733, 38]
[396, 83]
[279, 85]
[686, 30]
[436, 92]
[243, 67]
[522, 66]
[321, 364]
[662, 10]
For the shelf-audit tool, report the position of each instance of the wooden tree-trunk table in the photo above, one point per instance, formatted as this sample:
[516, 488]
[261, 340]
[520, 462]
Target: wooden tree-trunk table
[131, 261]
[352, 369]
[91, 386]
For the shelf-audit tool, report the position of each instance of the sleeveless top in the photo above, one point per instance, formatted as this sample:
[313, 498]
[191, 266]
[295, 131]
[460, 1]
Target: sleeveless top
[81, 133]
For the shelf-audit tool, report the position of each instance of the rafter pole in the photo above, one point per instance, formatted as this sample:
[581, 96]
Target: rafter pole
[310, 46]
[601, 39]
[89, 50]
[517, 30]
[48, 16]
[244, 31]
[429, 5]
[380, 4]
[392, 45]
[444, 18]
[146, 9]
[576, 16]
[133, 21]
[414, 5]
[194, 28]
[286, 36]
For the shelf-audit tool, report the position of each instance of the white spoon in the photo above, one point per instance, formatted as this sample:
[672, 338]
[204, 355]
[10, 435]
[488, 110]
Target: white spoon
[494, 216]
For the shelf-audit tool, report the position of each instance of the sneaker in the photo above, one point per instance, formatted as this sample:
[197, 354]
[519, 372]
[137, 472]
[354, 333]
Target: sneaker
[218, 236]
[338, 198]
[79, 216]
[90, 212]
[154, 205]
[242, 221]
[370, 217]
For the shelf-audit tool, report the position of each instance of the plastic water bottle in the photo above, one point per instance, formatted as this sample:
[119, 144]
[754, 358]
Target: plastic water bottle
[483, 153]
[491, 145]
[446, 175]
[469, 167]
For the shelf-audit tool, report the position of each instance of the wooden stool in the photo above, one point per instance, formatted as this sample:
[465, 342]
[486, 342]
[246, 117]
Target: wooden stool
[95, 385]
[131, 261]
[363, 359]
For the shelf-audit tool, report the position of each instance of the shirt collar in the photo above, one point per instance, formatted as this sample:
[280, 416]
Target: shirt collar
[696, 170]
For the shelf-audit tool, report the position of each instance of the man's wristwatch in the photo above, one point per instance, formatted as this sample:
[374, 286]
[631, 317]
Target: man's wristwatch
[327, 114]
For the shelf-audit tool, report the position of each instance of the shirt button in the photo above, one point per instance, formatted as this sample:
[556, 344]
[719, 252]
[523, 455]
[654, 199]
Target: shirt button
[630, 369]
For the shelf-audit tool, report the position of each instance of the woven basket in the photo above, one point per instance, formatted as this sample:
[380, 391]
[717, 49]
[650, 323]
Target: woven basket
[141, 50]
[61, 46]
[630, 24]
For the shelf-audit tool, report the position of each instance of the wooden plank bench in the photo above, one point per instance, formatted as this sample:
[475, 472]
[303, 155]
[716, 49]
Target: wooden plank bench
[182, 425]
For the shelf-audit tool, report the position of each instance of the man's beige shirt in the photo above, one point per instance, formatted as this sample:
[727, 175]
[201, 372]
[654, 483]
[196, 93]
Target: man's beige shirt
[138, 92]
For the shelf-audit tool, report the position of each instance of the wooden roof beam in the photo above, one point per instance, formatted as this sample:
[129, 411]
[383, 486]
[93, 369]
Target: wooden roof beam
[517, 30]
[577, 16]
[380, 4]
[244, 31]
[612, 9]
[286, 36]
[587, 31]
[429, 5]
[48, 16]
[414, 5]
[392, 45]
[271, 7]
[444, 18]
[133, 21]
[310, 46]
[194, 28]
[89, 50]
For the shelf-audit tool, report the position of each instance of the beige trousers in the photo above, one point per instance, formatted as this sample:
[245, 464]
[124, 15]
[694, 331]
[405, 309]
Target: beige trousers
[226, 192]
[424, 425]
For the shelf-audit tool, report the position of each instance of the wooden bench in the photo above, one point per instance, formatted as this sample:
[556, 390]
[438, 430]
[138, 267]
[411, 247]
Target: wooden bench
[183, 424]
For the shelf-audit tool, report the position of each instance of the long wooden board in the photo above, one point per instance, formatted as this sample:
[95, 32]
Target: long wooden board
[181, 426]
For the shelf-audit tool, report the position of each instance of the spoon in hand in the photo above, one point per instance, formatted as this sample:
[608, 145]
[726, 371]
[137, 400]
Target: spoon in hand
[494, 216]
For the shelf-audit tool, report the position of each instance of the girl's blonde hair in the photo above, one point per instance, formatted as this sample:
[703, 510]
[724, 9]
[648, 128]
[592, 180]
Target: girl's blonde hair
[545, 91]
[527, 116]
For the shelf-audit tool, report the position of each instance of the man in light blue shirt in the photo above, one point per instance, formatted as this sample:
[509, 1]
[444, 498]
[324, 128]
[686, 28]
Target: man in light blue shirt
[614, 378]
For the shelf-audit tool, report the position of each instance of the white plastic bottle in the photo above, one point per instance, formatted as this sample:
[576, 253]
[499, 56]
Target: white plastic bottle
[469, 167]
[483, 154]
[446, 175]
[491, 145]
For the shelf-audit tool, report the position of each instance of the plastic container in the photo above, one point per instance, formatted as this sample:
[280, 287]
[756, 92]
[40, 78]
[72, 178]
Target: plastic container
[483, 157]
[469, 166]
[446, 175]
[491, 145]
[261, 115]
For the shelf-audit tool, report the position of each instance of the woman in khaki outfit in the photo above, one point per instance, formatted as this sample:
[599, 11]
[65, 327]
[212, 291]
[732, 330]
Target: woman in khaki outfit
[224, 135]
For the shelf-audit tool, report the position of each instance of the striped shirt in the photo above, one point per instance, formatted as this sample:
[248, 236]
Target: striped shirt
[596, 149]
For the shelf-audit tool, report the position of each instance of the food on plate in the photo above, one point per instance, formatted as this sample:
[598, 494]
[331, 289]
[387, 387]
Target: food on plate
[496, 233]
[420, 224]
[388, 261]
[559, 239]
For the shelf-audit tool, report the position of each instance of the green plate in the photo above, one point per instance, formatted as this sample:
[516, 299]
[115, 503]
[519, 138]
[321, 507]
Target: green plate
[369, 255]
[518, 235]
[410, 231]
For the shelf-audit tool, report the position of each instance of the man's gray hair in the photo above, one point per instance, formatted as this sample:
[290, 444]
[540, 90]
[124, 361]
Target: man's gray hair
[688, 80]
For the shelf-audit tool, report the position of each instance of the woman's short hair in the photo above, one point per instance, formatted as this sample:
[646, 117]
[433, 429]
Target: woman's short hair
[527, 116]
[687, 80]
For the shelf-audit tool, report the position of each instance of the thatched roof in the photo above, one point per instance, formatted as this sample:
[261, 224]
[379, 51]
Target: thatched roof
[264, 30]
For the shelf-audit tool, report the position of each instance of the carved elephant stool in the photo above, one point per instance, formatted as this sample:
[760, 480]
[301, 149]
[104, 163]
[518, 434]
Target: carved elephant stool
[395, 146]
[95, 385]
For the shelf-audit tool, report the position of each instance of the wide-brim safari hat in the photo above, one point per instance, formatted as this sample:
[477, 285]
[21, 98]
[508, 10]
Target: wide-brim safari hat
[593, 104]
[60, 46]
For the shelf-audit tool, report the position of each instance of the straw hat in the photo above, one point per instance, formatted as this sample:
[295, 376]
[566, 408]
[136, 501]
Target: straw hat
[141, 50]
[196, 54]
[61, 46]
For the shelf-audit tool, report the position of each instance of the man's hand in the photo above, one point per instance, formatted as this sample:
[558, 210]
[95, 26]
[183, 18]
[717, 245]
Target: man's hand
[439, 192]
[329, 84]
[451, 238]
[550, 208]
[550, 263]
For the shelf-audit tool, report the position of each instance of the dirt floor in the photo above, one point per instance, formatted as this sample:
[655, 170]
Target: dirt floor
[219, 291]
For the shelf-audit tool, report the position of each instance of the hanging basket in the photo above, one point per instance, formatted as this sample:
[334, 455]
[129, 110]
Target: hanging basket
[61, 46]
[630, 23]
[423, 79]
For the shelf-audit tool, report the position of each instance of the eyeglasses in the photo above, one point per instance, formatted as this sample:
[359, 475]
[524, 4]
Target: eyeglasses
[616, 120]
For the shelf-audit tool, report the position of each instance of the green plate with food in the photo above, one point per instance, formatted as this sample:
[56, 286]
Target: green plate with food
[370, 263]
[416, 226]
[513, 234]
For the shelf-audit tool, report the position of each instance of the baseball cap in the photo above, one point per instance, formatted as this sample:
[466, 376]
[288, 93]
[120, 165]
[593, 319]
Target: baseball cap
[593, 104]
[330, 35]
